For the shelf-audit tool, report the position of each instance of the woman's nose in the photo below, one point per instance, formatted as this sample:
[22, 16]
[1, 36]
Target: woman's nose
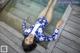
[30, 41]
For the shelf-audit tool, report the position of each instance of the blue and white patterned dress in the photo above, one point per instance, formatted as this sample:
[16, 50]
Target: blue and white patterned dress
[37, 30]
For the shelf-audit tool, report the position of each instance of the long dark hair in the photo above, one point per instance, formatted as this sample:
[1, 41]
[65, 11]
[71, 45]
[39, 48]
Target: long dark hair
[28, 48]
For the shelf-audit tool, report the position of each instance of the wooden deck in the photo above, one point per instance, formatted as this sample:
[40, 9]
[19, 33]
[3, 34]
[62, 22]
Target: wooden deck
[68, 42]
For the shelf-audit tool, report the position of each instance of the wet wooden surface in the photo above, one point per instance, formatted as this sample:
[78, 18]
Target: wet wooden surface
[69, 41]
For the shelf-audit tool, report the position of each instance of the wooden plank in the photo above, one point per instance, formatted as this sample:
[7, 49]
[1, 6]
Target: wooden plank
[41, 2]
[65, 48]
[9, 42]
[50, 46]
[3, 3]
[71, 36]
[75, 19]
[77, 15]
[19, 13]
[10, 36]
[72, 30]
[70, 43]
[35, 51]
[31, 8]
[11, 30]
[10, 49]
[40, 48]
[73, 25]
[75, 12]
[15, 17]
[57, 50]
[23, 14]
[75, 7]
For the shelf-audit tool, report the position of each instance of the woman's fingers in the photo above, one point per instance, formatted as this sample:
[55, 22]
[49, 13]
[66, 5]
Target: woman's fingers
[59, 24]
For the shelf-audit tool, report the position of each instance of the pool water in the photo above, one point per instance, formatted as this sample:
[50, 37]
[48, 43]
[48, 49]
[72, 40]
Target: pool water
[30, 9]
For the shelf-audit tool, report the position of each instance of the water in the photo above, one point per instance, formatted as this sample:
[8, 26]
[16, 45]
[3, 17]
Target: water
[30, 9]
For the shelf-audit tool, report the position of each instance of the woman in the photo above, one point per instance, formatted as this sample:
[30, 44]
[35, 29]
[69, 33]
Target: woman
[35, 32]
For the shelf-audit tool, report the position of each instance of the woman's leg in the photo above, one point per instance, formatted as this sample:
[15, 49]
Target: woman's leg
[48, 11]
[44, 11]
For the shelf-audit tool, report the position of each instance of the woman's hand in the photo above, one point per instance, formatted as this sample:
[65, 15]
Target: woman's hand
[59, 24]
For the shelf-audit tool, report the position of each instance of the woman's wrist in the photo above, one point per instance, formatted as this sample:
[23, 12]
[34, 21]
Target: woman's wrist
[56, 30]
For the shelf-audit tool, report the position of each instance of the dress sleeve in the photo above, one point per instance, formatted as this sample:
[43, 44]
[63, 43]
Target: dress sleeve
[24, 28]
[49, 37]
[43, 21]
[24, 25]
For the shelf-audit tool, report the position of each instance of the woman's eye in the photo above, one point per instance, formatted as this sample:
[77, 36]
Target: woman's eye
[31, 37]
[26, 39]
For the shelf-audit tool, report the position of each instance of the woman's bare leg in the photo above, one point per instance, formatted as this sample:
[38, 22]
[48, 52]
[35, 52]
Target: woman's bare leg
[44, 11]
[48, 11]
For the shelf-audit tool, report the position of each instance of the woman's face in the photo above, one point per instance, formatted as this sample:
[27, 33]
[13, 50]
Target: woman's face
[29, 40]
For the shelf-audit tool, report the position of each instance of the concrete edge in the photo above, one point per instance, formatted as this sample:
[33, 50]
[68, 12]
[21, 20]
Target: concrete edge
[65, 18]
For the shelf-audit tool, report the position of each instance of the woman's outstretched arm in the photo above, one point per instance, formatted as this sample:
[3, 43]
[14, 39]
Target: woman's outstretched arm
[54, 35]
[24, 25]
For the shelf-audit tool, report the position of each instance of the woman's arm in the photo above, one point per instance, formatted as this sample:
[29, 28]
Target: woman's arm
[49, 37]
[24, 28]
[54, 35]
[24, 25]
